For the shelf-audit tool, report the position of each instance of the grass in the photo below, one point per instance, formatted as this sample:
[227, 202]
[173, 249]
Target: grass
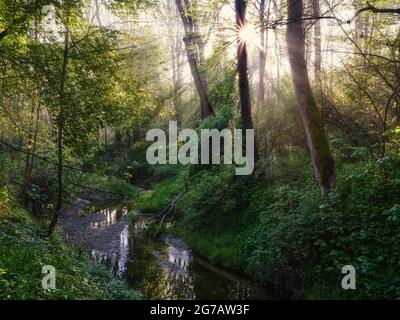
[157, 199]
[223, 249]
[110, 184]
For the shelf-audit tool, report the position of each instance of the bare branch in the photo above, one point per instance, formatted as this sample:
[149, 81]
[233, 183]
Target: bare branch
[373, 9]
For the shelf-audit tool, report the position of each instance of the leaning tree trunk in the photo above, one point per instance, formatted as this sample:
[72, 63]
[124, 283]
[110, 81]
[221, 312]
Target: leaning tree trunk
[192, 56]
[317, 140]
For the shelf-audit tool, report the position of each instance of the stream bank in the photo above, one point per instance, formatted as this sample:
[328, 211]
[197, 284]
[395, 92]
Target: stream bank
[160, 269]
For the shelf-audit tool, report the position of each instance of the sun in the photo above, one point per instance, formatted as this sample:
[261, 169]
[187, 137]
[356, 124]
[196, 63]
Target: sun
[247, 34]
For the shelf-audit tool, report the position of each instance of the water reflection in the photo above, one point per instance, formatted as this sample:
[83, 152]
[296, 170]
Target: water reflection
[116, 261]
[123, 251]
[165, 270]
[178, 257]
[170, 271]
[109, 217]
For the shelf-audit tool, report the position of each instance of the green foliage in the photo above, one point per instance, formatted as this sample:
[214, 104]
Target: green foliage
[286, 236]
[111, 184]
[133, 216]
[155, 230]
[155, 200]
[393, 137]
[209, 192]
[222, 89]
[273, 226]
[25, 249]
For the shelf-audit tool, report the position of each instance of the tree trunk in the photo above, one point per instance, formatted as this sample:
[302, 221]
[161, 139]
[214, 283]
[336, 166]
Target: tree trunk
[317, 42]
[61, 122]
[262, 55]
[176, 49]
[31, 149]
[97, 12]
[318, 57]
[317, 140]
[192, 56]
[118, 137]
[244, 87]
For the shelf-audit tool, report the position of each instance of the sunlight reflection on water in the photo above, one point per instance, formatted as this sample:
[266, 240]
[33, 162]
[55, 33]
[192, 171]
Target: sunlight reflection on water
[164, 270]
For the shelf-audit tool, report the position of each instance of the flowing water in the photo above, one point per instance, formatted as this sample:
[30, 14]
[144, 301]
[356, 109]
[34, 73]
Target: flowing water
[160, 269]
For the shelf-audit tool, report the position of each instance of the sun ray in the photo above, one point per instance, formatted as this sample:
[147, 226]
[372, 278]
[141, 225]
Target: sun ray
[248, 35]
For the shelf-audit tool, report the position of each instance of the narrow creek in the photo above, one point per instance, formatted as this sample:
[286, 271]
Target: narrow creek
[160, 269]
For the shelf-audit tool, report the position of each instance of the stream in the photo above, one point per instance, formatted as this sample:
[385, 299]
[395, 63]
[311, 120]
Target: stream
[160, 269]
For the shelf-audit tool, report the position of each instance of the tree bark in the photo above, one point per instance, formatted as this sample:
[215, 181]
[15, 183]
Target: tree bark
[31, 149]
[192, 56]
[61, 123]
[32, 137]
[242, 67]
[317, 140]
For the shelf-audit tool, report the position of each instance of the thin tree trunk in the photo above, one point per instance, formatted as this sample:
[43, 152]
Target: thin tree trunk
[262, 55]
[34, 143]
[317, 42]
[318, 56]
[192, 56]
[61, 123]
[30, 155]
[175, 47]
[317, 140]
[32, 138]
[118, 137]
[97, 12]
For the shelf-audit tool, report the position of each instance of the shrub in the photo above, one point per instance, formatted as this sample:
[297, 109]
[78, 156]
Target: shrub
[282, 233]
[25, 249]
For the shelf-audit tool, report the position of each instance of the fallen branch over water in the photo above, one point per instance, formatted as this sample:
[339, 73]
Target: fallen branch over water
[169, 209]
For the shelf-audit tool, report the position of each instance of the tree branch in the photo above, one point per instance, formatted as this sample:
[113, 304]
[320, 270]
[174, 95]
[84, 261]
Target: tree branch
[373, 9]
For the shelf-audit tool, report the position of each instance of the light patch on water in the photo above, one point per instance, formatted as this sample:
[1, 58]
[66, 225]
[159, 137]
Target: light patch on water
[164, 269]
[117, 260]
[178, 257]
[109, 217]
[123, 251]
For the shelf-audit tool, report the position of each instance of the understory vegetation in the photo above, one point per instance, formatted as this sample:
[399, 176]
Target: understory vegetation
[317, 81]
[278, 230]
[25, 250]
